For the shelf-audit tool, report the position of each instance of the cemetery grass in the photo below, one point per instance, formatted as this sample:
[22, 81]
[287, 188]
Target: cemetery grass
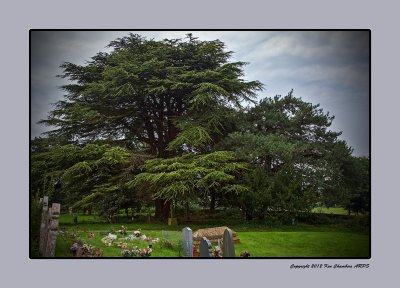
[332, 219]
[259, 244]
[331, 210]
[159, 249]
[304, 244]
[339, 239]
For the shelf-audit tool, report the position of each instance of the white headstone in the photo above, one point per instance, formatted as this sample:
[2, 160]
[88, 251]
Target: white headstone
[187, 242]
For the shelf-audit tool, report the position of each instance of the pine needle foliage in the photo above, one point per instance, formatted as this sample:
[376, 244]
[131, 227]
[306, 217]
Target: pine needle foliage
[151, 94]
[191, 174]
[85, 174]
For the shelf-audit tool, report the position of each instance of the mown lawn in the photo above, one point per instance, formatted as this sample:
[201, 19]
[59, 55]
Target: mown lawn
[303, 244]
[62, 249]
[331, 210]
[259, 244]
[344, 238]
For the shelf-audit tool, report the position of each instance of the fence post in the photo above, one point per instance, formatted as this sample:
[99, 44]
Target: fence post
[43, 226]
[54, 216]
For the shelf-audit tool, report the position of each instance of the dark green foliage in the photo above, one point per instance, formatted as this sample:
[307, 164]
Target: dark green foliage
[191, 175]
[179, 102]
[85, 177]
[34, 227]
[357, 184]
[283, 195]
[297, 160]
[146, 93]
[258, 198]
[162, 98]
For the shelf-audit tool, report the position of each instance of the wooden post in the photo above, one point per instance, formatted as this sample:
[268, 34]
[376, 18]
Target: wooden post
[53, 227]
[43, 226]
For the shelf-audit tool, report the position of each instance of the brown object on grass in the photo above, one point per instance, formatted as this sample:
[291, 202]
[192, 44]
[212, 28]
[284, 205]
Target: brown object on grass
[212, 234]
[89, 253]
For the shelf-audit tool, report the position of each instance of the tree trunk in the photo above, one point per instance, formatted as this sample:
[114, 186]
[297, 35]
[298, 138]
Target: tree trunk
[166, 209]
[162, 208]
[159, 208]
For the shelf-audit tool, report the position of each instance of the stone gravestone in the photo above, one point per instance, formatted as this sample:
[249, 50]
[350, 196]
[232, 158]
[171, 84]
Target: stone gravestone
[44, 226]
[187, 242]
[205, 248]
[53, 227]
[228, 249]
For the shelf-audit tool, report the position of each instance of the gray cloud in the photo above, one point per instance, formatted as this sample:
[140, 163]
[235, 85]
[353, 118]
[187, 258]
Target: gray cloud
[326, 67]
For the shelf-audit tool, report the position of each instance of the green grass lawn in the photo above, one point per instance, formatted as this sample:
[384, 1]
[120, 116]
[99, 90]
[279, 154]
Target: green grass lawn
[259, 244]
[245, 227]
[66, 219]
[62, 248]
[303, 244]
[331, 210]
[337, 239]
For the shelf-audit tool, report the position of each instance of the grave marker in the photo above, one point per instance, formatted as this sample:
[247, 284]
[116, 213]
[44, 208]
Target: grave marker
[205, 248]
[228, 249]
[187, 242]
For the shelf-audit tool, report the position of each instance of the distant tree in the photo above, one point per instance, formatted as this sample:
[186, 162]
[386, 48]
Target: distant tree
[335, 187]
[289, 142]
[357, 185]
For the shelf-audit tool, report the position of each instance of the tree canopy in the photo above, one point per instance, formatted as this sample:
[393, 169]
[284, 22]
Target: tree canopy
[174, 121]
[290, 142]
[151, 95]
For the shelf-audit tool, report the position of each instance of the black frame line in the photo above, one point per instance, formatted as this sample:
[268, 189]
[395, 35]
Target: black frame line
[183, 258]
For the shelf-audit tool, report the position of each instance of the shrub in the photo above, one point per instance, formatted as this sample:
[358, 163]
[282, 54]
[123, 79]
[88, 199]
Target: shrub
[34, 227]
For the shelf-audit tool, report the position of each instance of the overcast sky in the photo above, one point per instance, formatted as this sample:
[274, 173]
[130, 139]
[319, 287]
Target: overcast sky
[326, 67]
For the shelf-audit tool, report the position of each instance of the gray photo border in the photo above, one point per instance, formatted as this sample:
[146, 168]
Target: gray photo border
[16, 20]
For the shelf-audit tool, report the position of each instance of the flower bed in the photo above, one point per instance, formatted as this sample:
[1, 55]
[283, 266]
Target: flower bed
[113, 240]
[146, 252]
[85, 250]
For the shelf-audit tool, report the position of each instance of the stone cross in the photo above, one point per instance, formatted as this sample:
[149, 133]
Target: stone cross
[53, 227]
[228, 249]
[44, 226]
[205, 248]
[187, 242]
